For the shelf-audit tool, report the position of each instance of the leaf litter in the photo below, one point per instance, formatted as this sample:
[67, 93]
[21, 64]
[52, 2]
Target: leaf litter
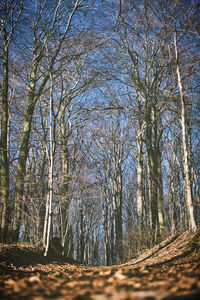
[171, 270]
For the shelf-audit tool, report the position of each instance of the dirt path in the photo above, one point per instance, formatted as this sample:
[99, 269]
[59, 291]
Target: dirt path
[170, 271]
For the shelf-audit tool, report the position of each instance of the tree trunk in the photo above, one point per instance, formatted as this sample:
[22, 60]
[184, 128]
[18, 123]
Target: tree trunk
[21, 167]
[65, 133]
[140, 192]
[153, 175]
[50, 168]
[10, 15]
[112, 232]
[160, 196]
[173, 198]
[82, 246]
[4, 170]
[188, 185]
[106, 235]
[45, 221]
[119, 230]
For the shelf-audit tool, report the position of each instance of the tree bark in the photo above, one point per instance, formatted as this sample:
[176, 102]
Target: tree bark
[106, 234]
[140, 186]
[23, 154]
[65, 133]
[188, 185]
[160, 195]
[4, 188]
[50, 169]
[82, 245]
[153, 175]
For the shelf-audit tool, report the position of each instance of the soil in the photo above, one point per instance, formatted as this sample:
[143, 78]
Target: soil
[171, 270]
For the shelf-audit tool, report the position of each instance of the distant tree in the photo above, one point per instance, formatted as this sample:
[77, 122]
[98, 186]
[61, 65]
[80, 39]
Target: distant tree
[109, 153]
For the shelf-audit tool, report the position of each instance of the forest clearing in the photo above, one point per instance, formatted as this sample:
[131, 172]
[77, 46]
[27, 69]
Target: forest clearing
[171, 270]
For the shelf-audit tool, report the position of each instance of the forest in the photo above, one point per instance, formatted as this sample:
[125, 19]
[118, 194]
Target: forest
[100, 115]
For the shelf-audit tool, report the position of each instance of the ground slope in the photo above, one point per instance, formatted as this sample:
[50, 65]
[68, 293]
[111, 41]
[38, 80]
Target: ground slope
[171, 270]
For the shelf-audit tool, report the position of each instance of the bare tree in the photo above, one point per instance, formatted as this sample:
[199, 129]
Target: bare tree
[41, 40]
[188, 185]
[109, 152]
[143, 62]
[11, 12]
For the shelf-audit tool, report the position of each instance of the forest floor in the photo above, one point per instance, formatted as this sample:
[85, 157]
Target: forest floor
[171, 270]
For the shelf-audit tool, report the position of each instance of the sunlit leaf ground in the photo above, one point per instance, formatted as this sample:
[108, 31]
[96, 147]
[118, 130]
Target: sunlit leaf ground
[170, 270]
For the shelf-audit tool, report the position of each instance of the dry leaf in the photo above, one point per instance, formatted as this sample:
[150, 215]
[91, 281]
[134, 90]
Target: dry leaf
[34, 279]
[119, 275]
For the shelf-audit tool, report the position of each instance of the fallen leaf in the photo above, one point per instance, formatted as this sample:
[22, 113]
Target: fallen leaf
[119, 275]
[9, 282]
[34, 279]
